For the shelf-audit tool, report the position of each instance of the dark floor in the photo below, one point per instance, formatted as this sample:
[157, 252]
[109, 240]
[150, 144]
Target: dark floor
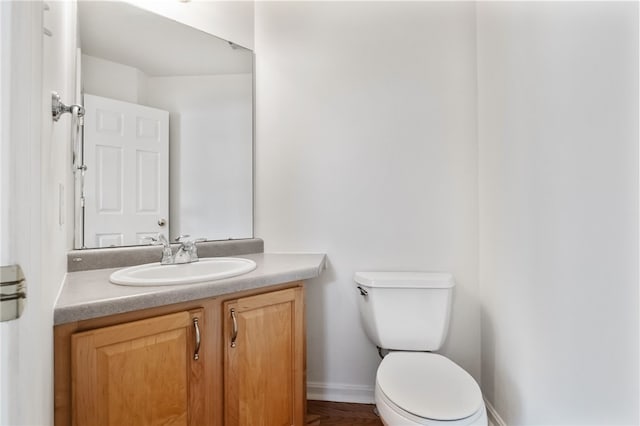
[322, 413]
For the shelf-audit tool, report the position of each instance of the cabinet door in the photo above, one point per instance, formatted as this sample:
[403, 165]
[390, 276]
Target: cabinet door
[264, 360]
[139, 373]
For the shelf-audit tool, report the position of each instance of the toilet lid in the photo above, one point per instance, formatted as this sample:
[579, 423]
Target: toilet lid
[429, 386]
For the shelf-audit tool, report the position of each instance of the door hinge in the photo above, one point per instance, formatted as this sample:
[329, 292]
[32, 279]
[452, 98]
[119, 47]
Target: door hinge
[13, 292]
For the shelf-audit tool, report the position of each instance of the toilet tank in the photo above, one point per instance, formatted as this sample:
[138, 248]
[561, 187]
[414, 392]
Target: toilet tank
[405, 310]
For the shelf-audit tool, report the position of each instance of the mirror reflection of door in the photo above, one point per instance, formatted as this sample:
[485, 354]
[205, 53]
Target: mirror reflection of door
[206, 84]
[127, 178]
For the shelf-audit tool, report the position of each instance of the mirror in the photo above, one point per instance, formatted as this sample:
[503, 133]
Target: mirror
[167, 140]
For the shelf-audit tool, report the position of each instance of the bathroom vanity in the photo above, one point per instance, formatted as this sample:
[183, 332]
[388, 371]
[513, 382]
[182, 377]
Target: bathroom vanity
[226, 352]
[171, 153]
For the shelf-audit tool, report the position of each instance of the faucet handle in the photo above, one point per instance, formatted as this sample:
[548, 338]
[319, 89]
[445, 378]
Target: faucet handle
[186, 240]
[188, 251]
[151, 240]
[159, 240]
[162, 239]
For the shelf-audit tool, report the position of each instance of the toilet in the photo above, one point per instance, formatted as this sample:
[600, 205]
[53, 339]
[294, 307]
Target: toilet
[407, 314]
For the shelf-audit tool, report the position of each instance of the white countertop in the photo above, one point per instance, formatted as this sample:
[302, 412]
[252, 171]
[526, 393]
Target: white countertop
[90, 294]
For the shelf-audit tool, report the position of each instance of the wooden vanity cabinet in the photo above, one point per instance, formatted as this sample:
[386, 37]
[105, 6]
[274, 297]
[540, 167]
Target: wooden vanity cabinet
[264, 359]
[143, 372]
[139, 368]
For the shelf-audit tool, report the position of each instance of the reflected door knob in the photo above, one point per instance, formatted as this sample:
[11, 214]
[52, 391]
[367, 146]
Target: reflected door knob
[162, 221]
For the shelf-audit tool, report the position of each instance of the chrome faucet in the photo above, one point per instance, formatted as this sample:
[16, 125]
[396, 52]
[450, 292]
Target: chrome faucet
[188, 252]
[167, 255]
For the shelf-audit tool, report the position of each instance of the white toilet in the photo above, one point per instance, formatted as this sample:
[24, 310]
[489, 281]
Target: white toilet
[407, 313]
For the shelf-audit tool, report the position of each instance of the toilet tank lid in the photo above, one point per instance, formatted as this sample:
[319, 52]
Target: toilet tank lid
[404, 279]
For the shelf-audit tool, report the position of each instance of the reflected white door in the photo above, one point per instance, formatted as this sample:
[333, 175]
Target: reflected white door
[127, 178]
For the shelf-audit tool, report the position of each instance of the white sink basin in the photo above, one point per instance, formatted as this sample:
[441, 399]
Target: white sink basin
[207, 269]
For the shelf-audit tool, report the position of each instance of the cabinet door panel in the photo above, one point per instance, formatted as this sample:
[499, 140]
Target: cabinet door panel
[138, 373]
[264, 371]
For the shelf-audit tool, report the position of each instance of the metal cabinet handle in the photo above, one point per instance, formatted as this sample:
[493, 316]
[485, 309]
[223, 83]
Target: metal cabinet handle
[196, 355]
[234, 333]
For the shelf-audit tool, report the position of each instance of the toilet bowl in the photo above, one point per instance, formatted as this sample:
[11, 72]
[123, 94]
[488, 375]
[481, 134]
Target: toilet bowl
[408, 314]
[421, 388]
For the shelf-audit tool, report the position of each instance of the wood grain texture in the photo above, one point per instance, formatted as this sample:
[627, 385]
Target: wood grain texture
[141, 373]
[212, 353]
[264, 372]
[323, 413]
[62, 373]
[207, 405]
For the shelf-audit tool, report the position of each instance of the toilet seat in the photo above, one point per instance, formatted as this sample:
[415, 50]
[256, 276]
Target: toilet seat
[392, 415]
[428, 386]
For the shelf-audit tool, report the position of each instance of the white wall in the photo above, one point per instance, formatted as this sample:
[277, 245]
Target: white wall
[113, 80]
[366, 151]
[558, 144]
[230, 20]
[211, 147]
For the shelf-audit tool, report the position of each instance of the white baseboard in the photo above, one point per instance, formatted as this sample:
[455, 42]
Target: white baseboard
[339, 392]
[494, 417]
